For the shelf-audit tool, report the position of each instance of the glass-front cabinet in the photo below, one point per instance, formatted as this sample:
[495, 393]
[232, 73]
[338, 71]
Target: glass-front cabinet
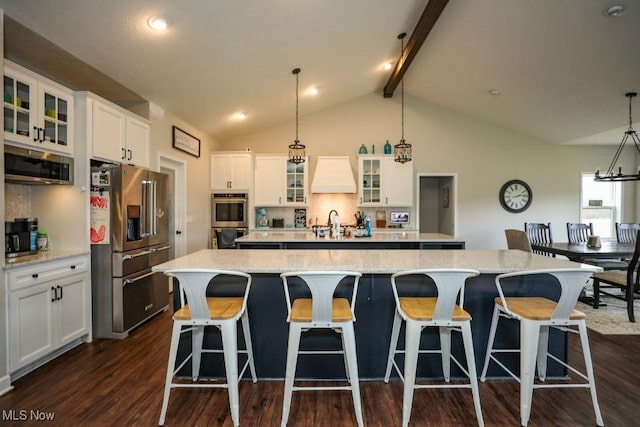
[384, 182]
[296, 183]
[37, 112]
[370, 180]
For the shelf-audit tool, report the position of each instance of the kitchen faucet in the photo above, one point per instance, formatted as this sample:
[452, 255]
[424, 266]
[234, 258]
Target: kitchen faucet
[329, 219]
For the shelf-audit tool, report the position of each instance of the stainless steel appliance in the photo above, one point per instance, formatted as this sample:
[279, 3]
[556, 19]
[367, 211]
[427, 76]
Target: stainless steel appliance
[129, 235]
[229, 210]
[26, 166]
[20, 237]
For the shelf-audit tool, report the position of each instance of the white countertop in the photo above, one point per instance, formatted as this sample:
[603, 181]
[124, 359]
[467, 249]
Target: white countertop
[377, 236]
[52, 255]
[365, 261]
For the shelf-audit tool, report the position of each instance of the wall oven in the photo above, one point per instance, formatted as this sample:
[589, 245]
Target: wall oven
[229, 210]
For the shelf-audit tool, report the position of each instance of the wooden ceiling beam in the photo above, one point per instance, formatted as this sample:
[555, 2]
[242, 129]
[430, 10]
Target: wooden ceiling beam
[431, 13]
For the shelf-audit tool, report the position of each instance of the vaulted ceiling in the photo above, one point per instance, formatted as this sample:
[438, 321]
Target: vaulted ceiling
[561, 66]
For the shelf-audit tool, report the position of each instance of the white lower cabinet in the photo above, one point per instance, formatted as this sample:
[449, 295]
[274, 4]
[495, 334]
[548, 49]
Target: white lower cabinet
[49, 307]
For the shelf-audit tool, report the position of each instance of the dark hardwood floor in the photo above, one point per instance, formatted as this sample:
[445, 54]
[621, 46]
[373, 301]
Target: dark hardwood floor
[110, 382]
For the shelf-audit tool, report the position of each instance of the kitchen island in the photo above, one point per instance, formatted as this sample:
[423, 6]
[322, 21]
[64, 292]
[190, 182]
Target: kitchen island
[386, 239]
[374, 303]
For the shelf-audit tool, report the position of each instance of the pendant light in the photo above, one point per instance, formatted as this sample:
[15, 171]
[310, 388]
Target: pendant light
[402, 151]
[612, 174]
[296, 150]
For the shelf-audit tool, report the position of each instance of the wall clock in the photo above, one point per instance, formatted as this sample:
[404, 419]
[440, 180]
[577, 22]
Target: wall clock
[515, 196]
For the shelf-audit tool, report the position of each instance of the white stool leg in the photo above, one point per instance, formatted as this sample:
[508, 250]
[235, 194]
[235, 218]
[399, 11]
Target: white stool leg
[344, 355]
[529, 333]
[492, 336]
[543, 348]
[230, 350]
[197, 336]
[352, 362]
[471, 367]
[411, 347]
[173, 349]
[586, 352]
[292, 359]
[393, 345]
[445, 348]
[247, 343]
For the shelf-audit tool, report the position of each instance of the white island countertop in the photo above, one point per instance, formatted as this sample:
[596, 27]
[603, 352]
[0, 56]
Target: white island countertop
[373, 261]
[377, 236]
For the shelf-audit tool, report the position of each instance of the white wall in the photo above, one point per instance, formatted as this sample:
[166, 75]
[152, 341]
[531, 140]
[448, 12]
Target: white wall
[198, 187]
[483, 155]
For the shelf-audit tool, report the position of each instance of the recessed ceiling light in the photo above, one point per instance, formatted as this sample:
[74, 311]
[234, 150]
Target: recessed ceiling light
[158, 22]
[613, 10]
[387, 66]
[494, 92]
[312, 91]
[239, 116]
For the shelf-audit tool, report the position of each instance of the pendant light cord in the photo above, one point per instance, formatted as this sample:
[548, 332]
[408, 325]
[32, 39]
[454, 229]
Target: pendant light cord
[630, 117]
[402, 85]
[296, 71]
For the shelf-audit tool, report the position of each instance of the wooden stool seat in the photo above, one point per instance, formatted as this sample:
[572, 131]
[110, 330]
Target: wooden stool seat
[423, 309]
[219, 308]
[535, 308]
[301, 310]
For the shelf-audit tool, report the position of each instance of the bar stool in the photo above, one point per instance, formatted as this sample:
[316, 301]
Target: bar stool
[536, 315]
[441, 312]
[202, 311]
[321, 311]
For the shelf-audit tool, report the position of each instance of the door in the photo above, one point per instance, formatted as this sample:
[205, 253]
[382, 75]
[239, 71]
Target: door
[31, 332]
[72, 307]
[158, 208]
[129, 230]
[436, 204]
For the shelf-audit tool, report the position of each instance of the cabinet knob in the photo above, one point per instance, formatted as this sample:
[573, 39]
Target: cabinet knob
[73, 267]
[34, 275]
[178, 232]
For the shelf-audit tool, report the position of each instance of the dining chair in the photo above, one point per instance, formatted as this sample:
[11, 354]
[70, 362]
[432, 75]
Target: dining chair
[327, 312]
[517, 239]
[539, 233]
[628, 281]
[536, 316]
[579, 233]
[443, 311]
[199, 311]
[626, 232]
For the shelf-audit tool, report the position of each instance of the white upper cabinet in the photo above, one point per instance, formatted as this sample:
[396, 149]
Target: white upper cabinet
[231, 171]
[113, 133]
[137, 141]
[384, 182]
[37, 112]
[278, 182]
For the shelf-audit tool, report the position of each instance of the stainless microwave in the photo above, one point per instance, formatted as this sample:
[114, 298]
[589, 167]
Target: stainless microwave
[229, 210]
[26, 166]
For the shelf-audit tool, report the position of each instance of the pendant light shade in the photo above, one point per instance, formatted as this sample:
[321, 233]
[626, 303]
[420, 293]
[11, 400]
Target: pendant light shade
[614, 172]
[402, 151]
[296, 150]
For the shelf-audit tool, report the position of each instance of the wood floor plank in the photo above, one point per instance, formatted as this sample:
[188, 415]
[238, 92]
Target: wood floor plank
[120, 382]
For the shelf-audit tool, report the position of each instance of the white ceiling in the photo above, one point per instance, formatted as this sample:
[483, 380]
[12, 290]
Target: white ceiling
[561, 66]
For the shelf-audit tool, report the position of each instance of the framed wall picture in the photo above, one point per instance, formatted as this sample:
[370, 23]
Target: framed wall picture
[186, 142]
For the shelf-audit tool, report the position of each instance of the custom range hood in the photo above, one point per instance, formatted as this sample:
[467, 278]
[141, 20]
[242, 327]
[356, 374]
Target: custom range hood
[333, 175]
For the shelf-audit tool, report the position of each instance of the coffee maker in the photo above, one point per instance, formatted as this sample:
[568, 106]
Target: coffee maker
[20, 237]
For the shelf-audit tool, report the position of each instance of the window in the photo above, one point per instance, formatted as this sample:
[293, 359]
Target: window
[600, 205]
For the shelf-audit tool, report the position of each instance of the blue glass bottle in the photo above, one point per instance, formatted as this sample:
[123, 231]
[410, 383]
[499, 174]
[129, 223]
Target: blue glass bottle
[367, 226]
[387, 148]
[363, 149]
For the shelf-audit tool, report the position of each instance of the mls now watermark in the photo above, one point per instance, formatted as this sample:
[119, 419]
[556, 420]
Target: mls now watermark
[27, 415]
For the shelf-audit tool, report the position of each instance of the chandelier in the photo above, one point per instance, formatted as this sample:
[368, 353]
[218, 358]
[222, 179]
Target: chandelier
[402, 151]
[614, 173]
[296, 150]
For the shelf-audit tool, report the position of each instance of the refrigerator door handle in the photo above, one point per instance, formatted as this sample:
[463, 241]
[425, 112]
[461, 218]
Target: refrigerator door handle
[145, 231]
[154, 207]
[126, 257]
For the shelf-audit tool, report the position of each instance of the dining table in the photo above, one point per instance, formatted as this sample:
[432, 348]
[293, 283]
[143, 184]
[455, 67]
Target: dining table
[581, 252]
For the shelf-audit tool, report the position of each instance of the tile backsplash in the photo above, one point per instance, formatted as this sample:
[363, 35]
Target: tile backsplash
[17, 201]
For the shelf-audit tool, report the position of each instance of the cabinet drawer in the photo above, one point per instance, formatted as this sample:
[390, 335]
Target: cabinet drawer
[43, 272]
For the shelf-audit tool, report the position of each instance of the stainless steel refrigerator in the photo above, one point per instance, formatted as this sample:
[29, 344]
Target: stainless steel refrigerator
[129, 235]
